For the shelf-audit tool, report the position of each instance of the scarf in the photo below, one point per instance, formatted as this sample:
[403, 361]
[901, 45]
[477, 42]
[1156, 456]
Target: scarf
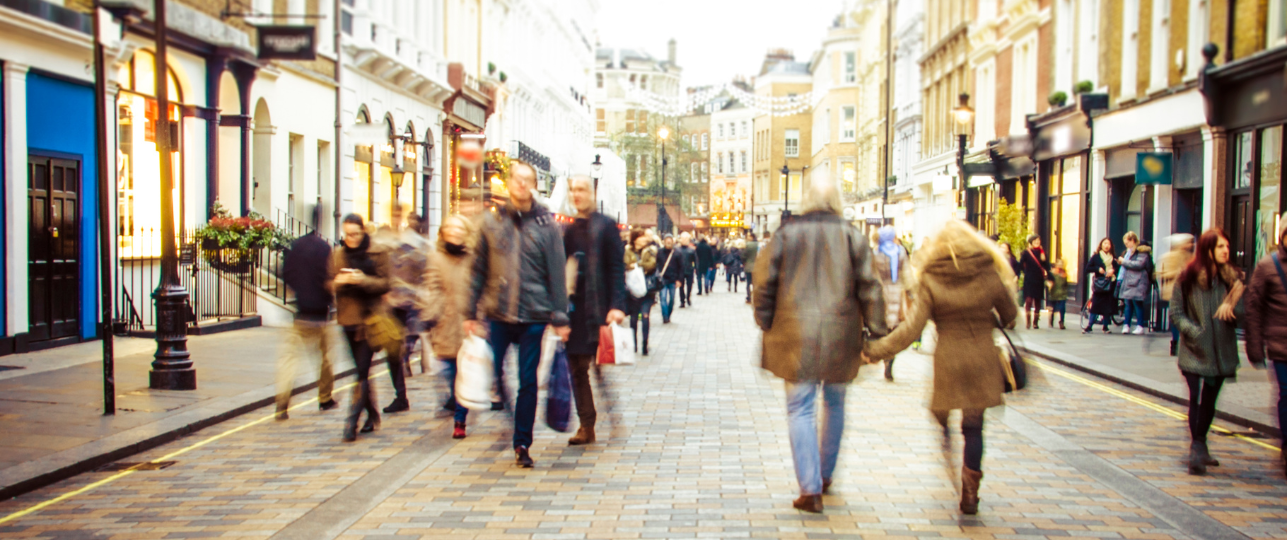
[1108, 261]
[357, 257]
[890, 249]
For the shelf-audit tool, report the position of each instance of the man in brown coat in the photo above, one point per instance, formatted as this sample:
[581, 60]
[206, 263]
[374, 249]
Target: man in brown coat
[1267, 320]
[815, 292]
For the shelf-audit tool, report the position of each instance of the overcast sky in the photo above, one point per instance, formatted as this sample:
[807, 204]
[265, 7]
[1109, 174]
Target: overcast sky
[717, 38]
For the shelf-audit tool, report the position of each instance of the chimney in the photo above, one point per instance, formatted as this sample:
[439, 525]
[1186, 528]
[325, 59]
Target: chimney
[670, 56]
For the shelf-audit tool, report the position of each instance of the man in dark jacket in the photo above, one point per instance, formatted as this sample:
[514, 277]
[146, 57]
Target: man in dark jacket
[598, 299]
[305, 271]
[749, 254]
[1267, 320]
[669, 262]
[815, 294]
[688, 268]
[705, 266]
[518, 284]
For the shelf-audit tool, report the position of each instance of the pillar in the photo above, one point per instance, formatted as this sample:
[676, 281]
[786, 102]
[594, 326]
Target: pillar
[15, 200]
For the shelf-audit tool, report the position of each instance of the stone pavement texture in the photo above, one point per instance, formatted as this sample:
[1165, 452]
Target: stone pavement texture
[51, 411]
[699, 450]
[1144, 363]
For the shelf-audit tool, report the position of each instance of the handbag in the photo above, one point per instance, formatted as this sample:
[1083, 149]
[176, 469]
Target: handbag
[616, 345]
[1102, 284]
[1012, 363]
[654, 281]
[558, 398]
[475, 374]
[636, 283]
[383, 332]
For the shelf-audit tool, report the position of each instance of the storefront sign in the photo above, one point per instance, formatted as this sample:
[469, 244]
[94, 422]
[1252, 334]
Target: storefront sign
[470, 112]
[1153, 168]
[943, 183]
[287, 43]
[730, 220]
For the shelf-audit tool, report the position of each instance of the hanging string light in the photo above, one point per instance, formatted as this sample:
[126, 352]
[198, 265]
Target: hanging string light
[682, 105]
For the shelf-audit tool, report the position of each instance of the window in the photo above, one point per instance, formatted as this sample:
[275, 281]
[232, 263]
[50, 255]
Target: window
[792, 143]
[632, 79]
[732, 167]
[138, 184]
[643, 170]
[719, 163]
[1277, 22]
[745, 131]
[686, 140]
[643, 82]
[847, 176]
[643, 122]
[721, 131]
[847, 118]
[632, 171]
[692, 174]
[600, 121]
[598, 80]
[851, 67]
[705, 172]
[630, 121]
[744, 167]
[706, 136]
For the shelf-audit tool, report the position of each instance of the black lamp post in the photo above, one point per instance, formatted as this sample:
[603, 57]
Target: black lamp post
[172, 369]
[595, 167]
[663, 219]
[786, 203]
[963, 115]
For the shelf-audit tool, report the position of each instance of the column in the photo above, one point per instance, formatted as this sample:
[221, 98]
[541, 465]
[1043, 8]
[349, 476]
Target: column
[15, 211]
[1215, 148]
[1097, 219]
[1163, 206]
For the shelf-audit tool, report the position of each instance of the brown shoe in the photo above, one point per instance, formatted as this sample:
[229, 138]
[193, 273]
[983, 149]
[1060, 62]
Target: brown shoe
[970, 480]
[583, 435]
[809, 503]
[826, 486]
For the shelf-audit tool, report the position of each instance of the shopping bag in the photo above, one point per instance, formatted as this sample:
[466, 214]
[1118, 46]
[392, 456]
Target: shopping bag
[549, 343]
[475, 374]
[558, 398]
[616, 345]
[636, 283]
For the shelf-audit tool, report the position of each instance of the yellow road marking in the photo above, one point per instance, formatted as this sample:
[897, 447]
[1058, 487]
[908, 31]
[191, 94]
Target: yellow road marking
[41, 506]
[1142, 402]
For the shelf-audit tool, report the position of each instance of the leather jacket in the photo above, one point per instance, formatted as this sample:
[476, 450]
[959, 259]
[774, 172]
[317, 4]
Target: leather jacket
[518, 274]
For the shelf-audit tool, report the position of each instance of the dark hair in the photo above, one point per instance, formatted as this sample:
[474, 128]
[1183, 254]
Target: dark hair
[1032, 237]
[750, 236]
[635, 234]
[1204, 261]
[1112, 249]
[354, 219]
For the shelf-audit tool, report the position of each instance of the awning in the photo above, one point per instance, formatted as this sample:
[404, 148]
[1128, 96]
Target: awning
[645, 215]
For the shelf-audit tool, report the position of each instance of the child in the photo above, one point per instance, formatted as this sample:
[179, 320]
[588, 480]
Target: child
[1058, 292]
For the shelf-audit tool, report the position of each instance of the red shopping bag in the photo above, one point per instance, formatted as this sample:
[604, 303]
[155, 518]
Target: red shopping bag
[607, 352]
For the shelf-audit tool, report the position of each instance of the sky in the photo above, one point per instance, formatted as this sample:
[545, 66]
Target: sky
[717, 39]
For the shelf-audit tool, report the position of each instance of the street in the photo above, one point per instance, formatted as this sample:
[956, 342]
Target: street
[697, 448]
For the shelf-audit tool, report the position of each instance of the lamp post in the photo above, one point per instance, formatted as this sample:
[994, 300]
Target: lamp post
[963, 115]
[595, 167]
[663, 227]
[172, 369]
[786, 203]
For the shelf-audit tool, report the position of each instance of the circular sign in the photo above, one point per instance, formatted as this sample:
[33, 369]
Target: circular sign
[849, 213]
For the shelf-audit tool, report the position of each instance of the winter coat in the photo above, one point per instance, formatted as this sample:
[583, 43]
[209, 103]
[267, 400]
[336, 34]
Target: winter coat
[1135, 283]
[963, 290]
[814, 293]
[749, 255]
[1169, 268]
[355, 302]
[408, 253]
[705, 255]
[444, 307]
[895, 292]
[1208, 346]
[306, 271]
[1267, 311]
[648, 259]
[600, 283]
[519, 268]
[1102, 302]
[673, 265]
[1035, 268]
[690, 260]
[1058, 287]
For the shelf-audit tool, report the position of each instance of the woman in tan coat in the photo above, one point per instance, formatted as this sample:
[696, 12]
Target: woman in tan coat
[447, 280]
[965, 284]
[360, 275]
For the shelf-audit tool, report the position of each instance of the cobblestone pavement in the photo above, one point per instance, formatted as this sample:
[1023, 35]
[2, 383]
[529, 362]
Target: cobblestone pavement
[699, 450]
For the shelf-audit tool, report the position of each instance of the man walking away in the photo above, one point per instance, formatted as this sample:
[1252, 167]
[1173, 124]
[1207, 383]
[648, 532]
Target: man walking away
[749, 254]
[705, 266]
[408, 252]
[599, 297]
[688, 267]
[305, 272]
[668, 262]
[518, 277]
[816, 294]
[1267, 322]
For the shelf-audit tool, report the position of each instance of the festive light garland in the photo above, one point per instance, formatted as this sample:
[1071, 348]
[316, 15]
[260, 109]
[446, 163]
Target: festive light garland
[680, 106]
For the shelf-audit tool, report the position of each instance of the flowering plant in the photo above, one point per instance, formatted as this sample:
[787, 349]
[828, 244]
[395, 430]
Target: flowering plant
[239, 235]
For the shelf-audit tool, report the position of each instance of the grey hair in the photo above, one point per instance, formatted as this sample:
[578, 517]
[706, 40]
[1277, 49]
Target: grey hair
[822, 196]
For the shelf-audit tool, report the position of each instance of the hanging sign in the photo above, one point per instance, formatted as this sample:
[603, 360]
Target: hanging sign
[1153, 168]
[287, 42]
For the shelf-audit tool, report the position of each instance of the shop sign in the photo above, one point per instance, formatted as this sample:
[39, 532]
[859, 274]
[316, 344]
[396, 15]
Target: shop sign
[1067, 136]
[729, 220]
[469, 111]
[1153, 168]
[943, 183]
[287, 42]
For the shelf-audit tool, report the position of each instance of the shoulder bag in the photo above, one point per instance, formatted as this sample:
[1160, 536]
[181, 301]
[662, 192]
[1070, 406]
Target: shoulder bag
[655, 281]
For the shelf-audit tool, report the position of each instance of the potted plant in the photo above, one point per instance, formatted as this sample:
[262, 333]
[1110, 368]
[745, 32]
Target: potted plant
[503, 77]
[1057, 98]
[229, 243]
[1083, 87]
[491, 68]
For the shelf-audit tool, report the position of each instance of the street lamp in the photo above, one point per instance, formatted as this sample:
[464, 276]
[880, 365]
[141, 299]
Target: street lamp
[663, 227]
[596, 166]
[963, 115]
[786, 204]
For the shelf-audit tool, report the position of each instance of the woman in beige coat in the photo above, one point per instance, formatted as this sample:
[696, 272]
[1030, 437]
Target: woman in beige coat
[965, 284]
[447, 280]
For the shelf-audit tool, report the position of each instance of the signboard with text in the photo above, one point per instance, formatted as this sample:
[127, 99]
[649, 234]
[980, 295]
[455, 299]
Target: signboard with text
[287, 42]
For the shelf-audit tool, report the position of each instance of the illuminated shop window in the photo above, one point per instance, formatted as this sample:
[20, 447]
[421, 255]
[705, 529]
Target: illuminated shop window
[138, 169]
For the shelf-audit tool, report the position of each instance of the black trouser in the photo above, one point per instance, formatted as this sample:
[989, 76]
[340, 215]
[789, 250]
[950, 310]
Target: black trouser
[397, 362]
[364, 393]
[580, 365]
[701, 281]
[640, 309]
[972, 430]
[748, 286]
[1203, 392]
[686, 292]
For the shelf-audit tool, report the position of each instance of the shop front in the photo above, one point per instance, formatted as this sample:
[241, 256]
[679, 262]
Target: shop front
[1247, 98]
[1002, 173]
[469, 190]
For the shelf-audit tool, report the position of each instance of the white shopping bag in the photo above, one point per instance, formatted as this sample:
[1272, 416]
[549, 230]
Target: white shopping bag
[475, 374]
[636, 283]
[621, 350]
[549, 343]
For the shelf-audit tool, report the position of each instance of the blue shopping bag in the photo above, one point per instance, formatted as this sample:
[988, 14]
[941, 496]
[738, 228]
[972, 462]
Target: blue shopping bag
[558, 395]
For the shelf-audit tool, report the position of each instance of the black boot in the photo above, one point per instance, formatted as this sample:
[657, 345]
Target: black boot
[1173, 345]
[889, 370]
[1197, 465]
[645, 336]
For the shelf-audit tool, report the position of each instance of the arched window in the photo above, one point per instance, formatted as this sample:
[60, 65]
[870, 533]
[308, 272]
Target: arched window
[362, 155]
[138, 191]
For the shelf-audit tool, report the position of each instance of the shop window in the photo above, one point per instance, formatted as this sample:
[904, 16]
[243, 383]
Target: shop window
[1065, 215]
[1135, 209]
[1245, 166]
[138, 182]
[1271, 168]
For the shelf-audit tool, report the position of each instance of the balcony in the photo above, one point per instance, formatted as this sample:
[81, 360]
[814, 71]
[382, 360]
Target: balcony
[378, 50]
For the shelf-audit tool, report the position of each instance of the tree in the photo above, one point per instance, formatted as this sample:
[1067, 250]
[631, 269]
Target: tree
[644, 142]
[1012, 225]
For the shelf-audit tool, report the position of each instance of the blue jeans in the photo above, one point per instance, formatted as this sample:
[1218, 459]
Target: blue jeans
[1136, 308]
[449, 374]
[528, 338]
[813, 464]
[1060, 307]
[667, 294]
[1280, 369]
[1094, 317]
[710, 278]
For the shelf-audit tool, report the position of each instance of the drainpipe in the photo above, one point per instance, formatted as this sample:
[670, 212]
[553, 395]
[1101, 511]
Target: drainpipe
[339, 112]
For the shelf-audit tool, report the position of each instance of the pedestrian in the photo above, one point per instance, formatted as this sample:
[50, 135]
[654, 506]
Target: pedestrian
[519, 286]
[816, 293]
[1206, 305]
[1036, 272]
[1267, 323]
[360, 274]
[408, 252]
[669, 259]
[688, 268]
[705, 266]
[749, 253]
[445, 302]
[1136, 283]
[305, 272]
[1008, 251]
[1102, 270]
[892, 265]
[598, 299]
[1058, 292]
[642, 253]
[966, 287]
[1169, 267]
[733, 264]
